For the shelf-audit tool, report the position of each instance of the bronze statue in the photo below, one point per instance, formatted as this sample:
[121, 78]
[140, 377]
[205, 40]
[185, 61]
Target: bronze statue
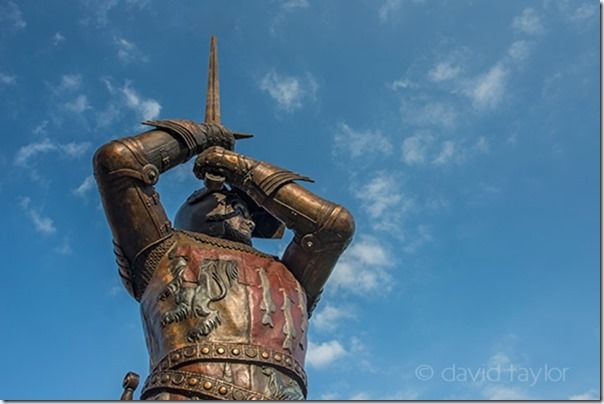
[221, 319]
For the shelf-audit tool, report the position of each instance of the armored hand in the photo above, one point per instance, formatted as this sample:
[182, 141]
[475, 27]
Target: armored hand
[322, 229]
[257, 178]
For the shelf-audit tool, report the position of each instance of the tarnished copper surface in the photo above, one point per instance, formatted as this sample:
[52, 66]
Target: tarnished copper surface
[222, 320]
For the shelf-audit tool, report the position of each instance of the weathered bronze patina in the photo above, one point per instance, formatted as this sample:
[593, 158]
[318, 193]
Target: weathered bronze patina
[222, 320]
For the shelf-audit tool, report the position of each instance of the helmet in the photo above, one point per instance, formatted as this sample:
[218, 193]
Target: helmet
[202, 213]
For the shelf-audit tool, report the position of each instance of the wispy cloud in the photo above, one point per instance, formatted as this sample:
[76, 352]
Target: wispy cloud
[7, 79]
[429, 113]
[27, 153]
[529, 22]
[325, 353]
[383, 201]
[354, 144]
[42, 224]
[57, 39]
[291, 5]
[415, 148]
[488, 90]
[289, 91]
[363, 267]
[591, 394]
[444, 71]
[85, 187]
[519, 50]
[68, 82]
[64, 248]
[77, 105]
[447, 153]
[102, 9]
[331, 317]
[128, 52]
[126, 97]
[387, 8]
[11, 17]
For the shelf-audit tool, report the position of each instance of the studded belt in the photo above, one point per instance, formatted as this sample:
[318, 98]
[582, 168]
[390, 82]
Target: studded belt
[178, 380]
[234, 352]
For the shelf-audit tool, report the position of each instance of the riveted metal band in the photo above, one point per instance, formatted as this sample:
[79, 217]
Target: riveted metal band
[234, 352]
[189, 382]
[185, 130]
[223, 243]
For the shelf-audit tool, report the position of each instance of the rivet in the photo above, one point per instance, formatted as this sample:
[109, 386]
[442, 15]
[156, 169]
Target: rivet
[251, 353]
[165, 378]
[205, 350]
[192, 381]
[175, 357]
[277, 357]
[220, 350]
[265, 355]
[222, 390]
[189, 351]
[207, 385]
[178, 379]
[288, 361]
[235, 351]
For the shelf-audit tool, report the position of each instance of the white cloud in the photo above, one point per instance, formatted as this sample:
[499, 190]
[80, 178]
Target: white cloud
[354, 144]
[482, 145]
[64, 248]
[447, 153]
[429, 114]
[291, 5]
[41, 128]
[42, 224]
[7, 80]
[444, 71]
[381, 195]
[488, 90]
[289, 91]
[422, 236]
[84, 187]
[528, 22]
[591, 394]
[77, 105]
[323, 354]
[385, 204]
[362, 268]
[330, 317]
[415, 148]
[387, 8]
[26, 153]
[57, 38]
[69, 82]
[503, 392]
[148, 108]
[584, 12]
[127, 51]
[401, 84]
[519, 50]
[11, 16]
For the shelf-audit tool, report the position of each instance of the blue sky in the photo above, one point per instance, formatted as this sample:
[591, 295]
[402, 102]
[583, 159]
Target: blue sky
[463, 136]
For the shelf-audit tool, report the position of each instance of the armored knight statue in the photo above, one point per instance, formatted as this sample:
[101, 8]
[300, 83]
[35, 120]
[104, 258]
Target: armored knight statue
[222, 320]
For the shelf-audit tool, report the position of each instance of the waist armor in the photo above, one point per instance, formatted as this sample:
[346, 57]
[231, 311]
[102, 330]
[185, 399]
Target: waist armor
[223, 321]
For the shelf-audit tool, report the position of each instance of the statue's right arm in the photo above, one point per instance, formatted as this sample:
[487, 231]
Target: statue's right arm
[126, 171]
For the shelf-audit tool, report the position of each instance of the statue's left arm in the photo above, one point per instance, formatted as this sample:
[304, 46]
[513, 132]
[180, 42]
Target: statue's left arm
[126, 171]
[322, 229]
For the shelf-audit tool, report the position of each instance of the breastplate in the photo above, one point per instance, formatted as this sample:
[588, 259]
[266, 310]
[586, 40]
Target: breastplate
[223, 320]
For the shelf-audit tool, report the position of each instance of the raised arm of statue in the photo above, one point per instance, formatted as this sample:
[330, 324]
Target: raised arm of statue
[126, 170]
[322, 229]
